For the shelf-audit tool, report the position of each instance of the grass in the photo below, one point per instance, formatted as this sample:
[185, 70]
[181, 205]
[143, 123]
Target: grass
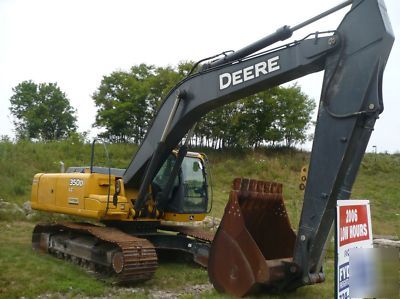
[25, 273]
[379, 181]
[28, 274]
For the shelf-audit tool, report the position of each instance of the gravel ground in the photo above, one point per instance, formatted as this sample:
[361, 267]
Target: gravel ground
[195, 291]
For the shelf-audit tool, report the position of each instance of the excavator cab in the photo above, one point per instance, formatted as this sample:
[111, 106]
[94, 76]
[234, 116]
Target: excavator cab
[189, 192]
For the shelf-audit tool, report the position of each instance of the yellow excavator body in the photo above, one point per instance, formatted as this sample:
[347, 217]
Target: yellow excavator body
[87, 195]
[99, 196]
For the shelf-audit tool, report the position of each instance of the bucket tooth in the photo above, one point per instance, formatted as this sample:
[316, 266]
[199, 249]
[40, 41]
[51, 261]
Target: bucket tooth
[254, 240]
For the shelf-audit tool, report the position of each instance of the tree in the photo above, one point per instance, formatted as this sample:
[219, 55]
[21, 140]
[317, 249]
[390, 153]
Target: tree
[41, 111]
[128, 101]
[278, 115]
[259, 117]
[294, 114]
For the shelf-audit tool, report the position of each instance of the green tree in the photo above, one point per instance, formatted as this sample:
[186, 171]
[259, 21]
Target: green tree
[275, 116]
[294, 111]
[128, 101]
[41, 111]
[259, 118]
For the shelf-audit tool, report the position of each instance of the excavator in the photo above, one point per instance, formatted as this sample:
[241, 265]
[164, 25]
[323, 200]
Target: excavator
[134, 210]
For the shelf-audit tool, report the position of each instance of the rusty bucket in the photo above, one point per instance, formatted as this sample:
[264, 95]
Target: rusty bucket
[253, 241]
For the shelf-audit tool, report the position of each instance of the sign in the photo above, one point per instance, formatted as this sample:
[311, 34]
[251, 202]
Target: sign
[353, 230]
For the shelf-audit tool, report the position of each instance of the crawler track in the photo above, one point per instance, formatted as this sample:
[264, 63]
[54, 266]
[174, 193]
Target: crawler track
[126, 257]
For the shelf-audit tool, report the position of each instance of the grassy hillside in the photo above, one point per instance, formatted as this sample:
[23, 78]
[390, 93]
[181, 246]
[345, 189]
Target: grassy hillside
[378, 179]
[28, 274]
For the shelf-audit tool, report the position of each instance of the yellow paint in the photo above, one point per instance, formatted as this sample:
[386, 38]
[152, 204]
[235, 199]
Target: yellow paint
[183, 217]
[79, 194]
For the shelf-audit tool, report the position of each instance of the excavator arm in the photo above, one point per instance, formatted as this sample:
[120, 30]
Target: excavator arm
[351, 102]
[353, 58]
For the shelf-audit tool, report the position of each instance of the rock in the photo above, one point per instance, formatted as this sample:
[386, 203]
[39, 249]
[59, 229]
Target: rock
[385, 243]
[10, 208]
[4, 204]
[211, 222]
[16, 208]
[27, 207]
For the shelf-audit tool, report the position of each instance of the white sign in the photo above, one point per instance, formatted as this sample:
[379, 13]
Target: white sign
[354, 230]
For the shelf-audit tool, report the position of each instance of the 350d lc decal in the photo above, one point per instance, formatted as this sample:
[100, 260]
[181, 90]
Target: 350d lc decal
[76, 182]
[249, 73]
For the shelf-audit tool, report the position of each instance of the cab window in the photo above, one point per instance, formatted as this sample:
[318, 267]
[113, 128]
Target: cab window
[195, 188]
[161, 179]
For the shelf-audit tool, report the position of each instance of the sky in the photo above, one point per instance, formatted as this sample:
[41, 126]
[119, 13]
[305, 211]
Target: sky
[76, 43]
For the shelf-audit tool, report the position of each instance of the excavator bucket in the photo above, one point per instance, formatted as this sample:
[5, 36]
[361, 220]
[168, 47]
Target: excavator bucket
[253, 241]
